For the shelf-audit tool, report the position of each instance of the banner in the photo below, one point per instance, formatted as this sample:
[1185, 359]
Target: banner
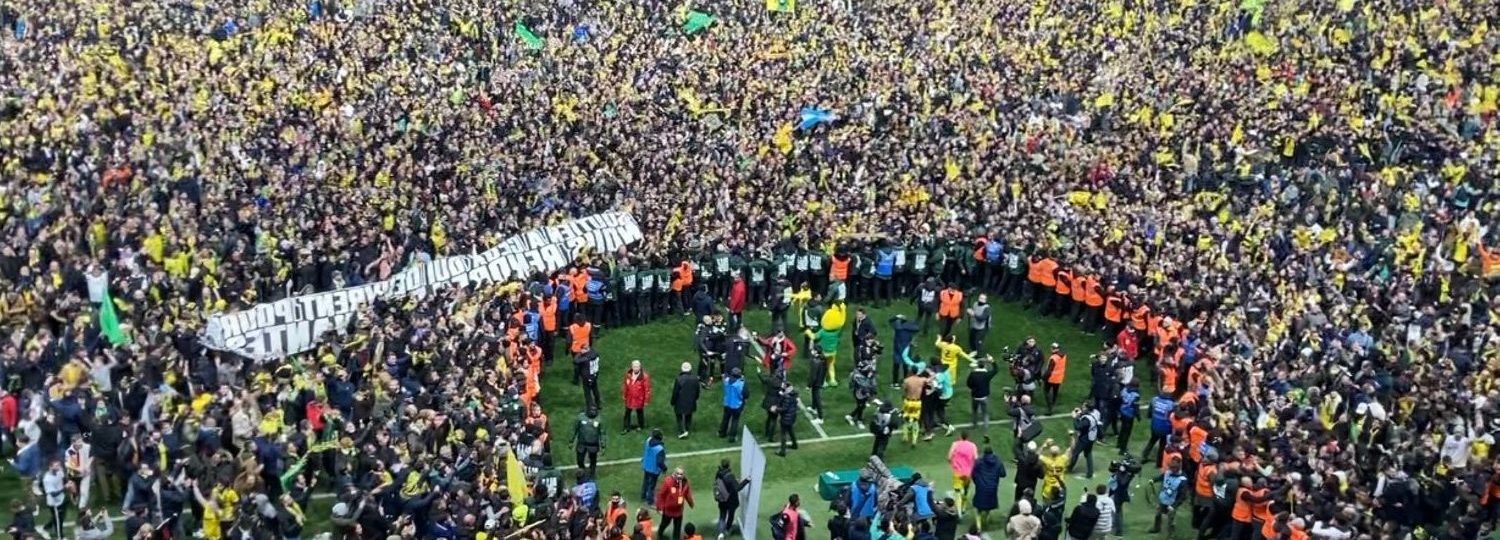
[293, 325]
[752, 468]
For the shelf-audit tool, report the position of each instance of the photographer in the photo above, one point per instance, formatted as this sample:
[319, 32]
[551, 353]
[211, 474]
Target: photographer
[1025, 366]
[1122, 473]
[710, 340]
[864, 387]
[1085, 433]
[1023, 417]
[981, 373]
[885, 422]
[95, 525]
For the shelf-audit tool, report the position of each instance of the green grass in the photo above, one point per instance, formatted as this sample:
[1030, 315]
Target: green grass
[663, 345]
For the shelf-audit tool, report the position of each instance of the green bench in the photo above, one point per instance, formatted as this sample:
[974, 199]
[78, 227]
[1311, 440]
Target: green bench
[831, 483]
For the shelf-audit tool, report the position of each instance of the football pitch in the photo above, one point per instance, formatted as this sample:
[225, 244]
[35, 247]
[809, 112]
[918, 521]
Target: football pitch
[663, 345]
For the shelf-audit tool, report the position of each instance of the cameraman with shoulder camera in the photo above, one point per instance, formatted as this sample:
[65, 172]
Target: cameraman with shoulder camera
[1122, 473]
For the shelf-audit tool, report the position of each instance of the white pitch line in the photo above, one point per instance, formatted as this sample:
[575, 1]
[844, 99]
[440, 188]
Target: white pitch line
[831, 438]
[816, 423]
[716, 451]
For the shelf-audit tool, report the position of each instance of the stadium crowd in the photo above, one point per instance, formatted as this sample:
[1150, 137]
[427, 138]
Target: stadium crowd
[1276, 213]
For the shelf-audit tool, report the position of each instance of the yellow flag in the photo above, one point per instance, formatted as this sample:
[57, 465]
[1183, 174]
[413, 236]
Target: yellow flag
[1104, 100]
[1261, 44]
[951, 168]
[1237, 135]
[1346, 6]
[515, 478]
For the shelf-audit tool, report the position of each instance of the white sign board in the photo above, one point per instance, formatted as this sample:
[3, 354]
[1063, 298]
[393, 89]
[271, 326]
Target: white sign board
[752, 468]
[293, 325]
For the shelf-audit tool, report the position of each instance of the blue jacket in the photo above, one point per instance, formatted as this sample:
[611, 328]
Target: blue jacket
[734, 392]
[885, 262]
[28, 463]
[904, 332]
[654, 459]
[1130, 402]
[596, 290]
[534, 325]
[1161, 410]
[862, 496]
[993, 251]
[922, 507]
[565, 296]
[987, 474]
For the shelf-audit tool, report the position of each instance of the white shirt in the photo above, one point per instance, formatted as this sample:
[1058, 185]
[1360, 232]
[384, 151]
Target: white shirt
[52, 486]
[1106, 508]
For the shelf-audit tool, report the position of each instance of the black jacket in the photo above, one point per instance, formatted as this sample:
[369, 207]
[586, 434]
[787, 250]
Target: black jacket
[685, 393]
[1085, 516]
[732, 486]
[787, 408]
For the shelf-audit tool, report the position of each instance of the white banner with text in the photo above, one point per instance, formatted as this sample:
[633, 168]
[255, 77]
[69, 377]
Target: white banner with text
[293, 325]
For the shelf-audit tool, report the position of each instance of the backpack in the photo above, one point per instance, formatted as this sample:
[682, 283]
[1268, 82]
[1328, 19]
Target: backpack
[721, 493]
[1086, 429]
[778, 525]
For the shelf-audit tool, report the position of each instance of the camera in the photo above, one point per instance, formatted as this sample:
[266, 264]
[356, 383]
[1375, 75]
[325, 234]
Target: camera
[1126, 464]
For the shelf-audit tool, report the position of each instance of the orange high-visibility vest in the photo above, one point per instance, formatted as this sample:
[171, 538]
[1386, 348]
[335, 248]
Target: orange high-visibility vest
[1168, 376]
[980, 244]
[839, 270]
[580, 290]
[549, 314]
[1034, 269]
[1297, 533]
[949, 302]
[1168, 455]
[1195, 373]
[1196, 437]
[684, 277]
[581, 334]
[1241, 511]
[1080, 289]
[1048, 268]
[1095, 292]
[1113, 309]
[1063, 282]
[1261, 510]
[1204, 484]
[1489, 262]
[1268, 529]
[1138, 316]
[1059, 368]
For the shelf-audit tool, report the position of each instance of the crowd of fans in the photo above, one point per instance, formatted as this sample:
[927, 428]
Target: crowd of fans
[1278, 210]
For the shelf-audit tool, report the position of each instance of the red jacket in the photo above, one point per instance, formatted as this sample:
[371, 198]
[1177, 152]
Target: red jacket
[788, 351]
[737, 294]
[673, 496]
[10, 412]
[314, 411]
[637, 390]
[1128, 343]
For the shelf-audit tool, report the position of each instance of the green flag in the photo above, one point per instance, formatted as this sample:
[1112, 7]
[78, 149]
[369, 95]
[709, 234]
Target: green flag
[532, 41]
[109, 322]
[696, 21]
